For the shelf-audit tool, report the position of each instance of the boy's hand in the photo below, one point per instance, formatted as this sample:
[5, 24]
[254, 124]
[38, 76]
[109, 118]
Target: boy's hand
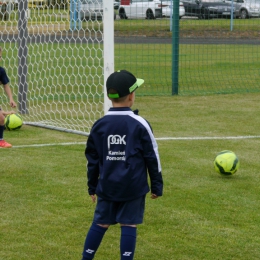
[6, 113]
[93, 197]
[154, 196]
[12, 103]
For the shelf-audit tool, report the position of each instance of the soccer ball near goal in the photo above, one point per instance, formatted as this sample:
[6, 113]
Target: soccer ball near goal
[226, 163]
[13, 122]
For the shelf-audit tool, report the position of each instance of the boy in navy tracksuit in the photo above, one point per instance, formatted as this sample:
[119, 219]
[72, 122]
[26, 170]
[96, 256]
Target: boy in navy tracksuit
[4, 80]
[120, 150]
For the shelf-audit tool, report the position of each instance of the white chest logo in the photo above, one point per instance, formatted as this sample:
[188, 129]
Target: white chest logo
[115, 139]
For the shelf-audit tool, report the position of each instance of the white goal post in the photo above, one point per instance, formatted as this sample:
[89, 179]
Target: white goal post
[58, 63]
[108, 46]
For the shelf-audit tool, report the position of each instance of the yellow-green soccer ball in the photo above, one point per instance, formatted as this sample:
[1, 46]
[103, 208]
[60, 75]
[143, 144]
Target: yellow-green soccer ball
[13, 122]
[226, 163]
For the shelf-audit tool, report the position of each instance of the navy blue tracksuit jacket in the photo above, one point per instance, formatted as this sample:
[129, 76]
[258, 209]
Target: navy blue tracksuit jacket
[121, 150]
[3, 76]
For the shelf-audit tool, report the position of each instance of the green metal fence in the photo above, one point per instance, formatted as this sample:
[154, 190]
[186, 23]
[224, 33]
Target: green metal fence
[212, 58]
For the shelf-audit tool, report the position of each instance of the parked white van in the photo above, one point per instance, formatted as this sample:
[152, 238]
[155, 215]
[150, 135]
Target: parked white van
[148, 9]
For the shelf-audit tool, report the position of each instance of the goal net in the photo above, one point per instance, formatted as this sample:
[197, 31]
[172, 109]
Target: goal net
[53, 53]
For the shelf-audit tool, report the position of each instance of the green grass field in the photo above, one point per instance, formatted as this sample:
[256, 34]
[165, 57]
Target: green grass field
[45, 209]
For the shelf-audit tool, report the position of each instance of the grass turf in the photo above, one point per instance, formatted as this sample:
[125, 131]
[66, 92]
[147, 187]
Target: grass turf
[45, 210]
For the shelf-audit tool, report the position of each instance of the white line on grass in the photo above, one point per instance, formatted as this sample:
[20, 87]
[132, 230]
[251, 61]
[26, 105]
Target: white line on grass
[159, 139]
[42, 145]
[209, 138]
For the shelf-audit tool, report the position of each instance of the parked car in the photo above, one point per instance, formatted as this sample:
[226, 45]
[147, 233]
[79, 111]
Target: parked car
[168, 10]
[91, 10]
[206, 9]
[116, 4]
[247, 9]
[149, 9]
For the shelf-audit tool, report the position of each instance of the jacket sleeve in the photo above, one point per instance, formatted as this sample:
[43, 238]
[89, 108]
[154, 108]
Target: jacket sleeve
[92, 166]
[153, 164]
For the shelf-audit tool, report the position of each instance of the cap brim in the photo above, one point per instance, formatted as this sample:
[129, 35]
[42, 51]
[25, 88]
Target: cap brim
[139, 82]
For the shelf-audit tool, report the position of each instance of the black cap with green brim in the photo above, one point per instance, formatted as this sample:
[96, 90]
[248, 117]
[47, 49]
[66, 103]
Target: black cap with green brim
[123, 83]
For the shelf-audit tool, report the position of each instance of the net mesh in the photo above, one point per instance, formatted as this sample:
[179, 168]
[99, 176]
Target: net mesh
[64, 75]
